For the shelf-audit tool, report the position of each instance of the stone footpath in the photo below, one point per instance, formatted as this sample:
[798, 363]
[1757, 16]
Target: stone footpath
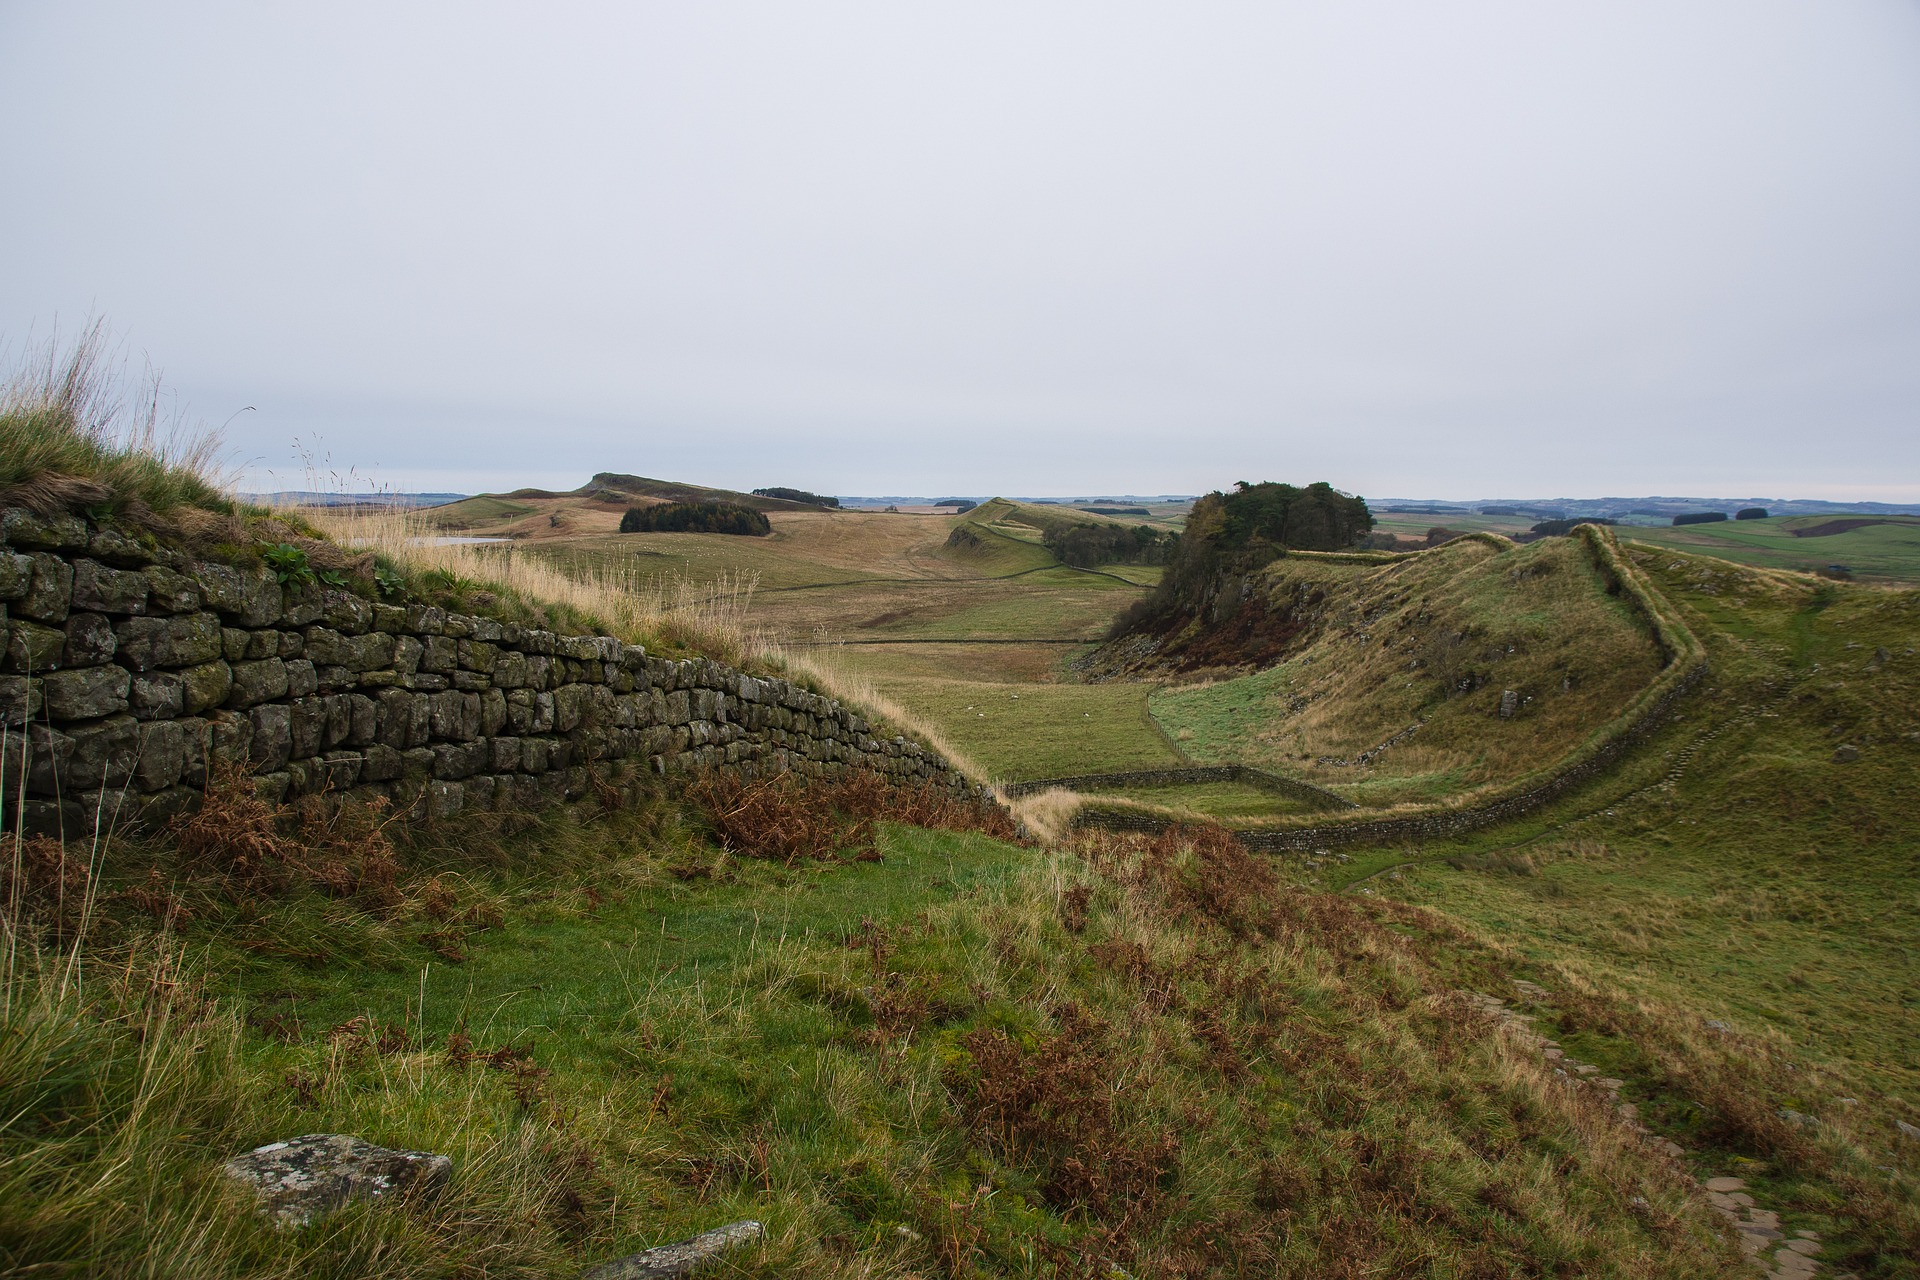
[1761, 1238]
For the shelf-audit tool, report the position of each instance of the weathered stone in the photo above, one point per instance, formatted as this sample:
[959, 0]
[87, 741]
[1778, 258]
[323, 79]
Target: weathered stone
[292, 645]
[493, 712]
[307, 724]
[272, 788]
[347, 612]
[301, 607]
[248, 597]
[406, 654]
[20, 527]
[90, 641]
[389, 618]
[157, 695]
[145, 643]
[257, 682]
[381, 763]
[49, 760]
[119, 548]
[19, 701]
[104, 752]
[455, 760]
[16, 573]
[33, 649]
[105, 590]
[454, 716]
[49, 591]
[363, 720]
[311, 1176]
[272, 743]
[672, 1261]
[340, 770]
[404, 719]
[476, 655]
[170, 592]
[439, 654]
[86, 693]
[1846, 753]
[302, 680]
[163, 755]
[229, 738]
[206, 686]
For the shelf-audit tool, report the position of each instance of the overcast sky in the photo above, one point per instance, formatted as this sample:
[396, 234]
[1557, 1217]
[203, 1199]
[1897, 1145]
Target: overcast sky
[1434, 249]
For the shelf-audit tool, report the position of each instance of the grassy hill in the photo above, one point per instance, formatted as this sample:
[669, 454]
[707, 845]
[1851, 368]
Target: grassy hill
[1418, 652]
[1873, 548]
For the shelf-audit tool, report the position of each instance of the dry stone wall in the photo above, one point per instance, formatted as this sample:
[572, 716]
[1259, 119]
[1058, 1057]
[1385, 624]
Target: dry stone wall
[130, 671]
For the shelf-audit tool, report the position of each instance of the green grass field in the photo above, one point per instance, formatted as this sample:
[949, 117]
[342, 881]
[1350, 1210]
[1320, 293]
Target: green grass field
[1885, 552]
[1026, 731]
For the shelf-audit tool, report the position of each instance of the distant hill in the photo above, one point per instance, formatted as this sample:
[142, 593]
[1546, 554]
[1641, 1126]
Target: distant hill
[619, 486]
[1656, 507]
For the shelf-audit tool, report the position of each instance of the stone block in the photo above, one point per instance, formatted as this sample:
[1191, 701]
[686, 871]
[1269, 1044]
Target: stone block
[161, 807]
[184, 641]
[257, 682]
[170, 592]
[364, 716]
[504, 755]
[292, 645]
[229, 738]
[104, 590]
[195, 735]
[246, 597]
[104, 752]
[20, 527]
[488, 629]
[347, 612]
[156, 695]
[33, 649]
[86, 693]
[407, 653]
[302, 679]
[307, 724]
[90, 640]
[493, 712]
[443, 799]
[16, 574]
[440, 654]
[163, 756]
[205, 686]
[426, 619]
[381, 763]
[456, 760]
[19, 700]
[476, 655]
[390, 618]
[459, 626]
[301, 607]
[120, 548]
[454, 716]
[536, 754]
[234, 642]
[272, 744]
[49, 592]
[272, 787]
[538, 642]
[470, 681]
[403, 719]
[341, 769]
[422, 681]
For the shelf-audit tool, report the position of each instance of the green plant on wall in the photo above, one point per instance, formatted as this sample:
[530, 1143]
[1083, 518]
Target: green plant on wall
[292, 567]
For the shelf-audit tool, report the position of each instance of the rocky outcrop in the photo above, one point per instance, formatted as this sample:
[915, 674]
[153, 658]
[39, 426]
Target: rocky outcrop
[308, 1177]
[128, 671]
[671, 1261]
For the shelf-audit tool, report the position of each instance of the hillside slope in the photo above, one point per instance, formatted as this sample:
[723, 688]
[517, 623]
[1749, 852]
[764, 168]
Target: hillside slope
[1404, 678]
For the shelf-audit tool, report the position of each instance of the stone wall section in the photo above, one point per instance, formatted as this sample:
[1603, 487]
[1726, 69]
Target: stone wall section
[128, 671]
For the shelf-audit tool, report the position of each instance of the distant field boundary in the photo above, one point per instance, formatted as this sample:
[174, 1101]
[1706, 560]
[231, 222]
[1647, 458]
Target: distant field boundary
[1686, 665]
[1196, 775]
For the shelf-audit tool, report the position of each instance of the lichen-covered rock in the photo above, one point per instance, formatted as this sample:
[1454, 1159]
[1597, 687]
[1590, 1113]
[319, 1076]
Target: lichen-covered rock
[86, 693]
[670, 1261]
[184, 641]
[312, 1175]
[105, 590]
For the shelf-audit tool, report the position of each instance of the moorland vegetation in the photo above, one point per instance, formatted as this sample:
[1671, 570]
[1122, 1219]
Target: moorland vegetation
[915, 1041]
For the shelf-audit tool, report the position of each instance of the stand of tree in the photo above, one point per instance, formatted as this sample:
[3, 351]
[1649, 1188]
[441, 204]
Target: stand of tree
[1231, 534]
[1560, 528]
[1085, 546]
[696, 517]
[796, 495]
[1701, 517]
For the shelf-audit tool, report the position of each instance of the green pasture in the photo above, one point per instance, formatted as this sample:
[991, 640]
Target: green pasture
[1024, 731]
[1885, 552]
